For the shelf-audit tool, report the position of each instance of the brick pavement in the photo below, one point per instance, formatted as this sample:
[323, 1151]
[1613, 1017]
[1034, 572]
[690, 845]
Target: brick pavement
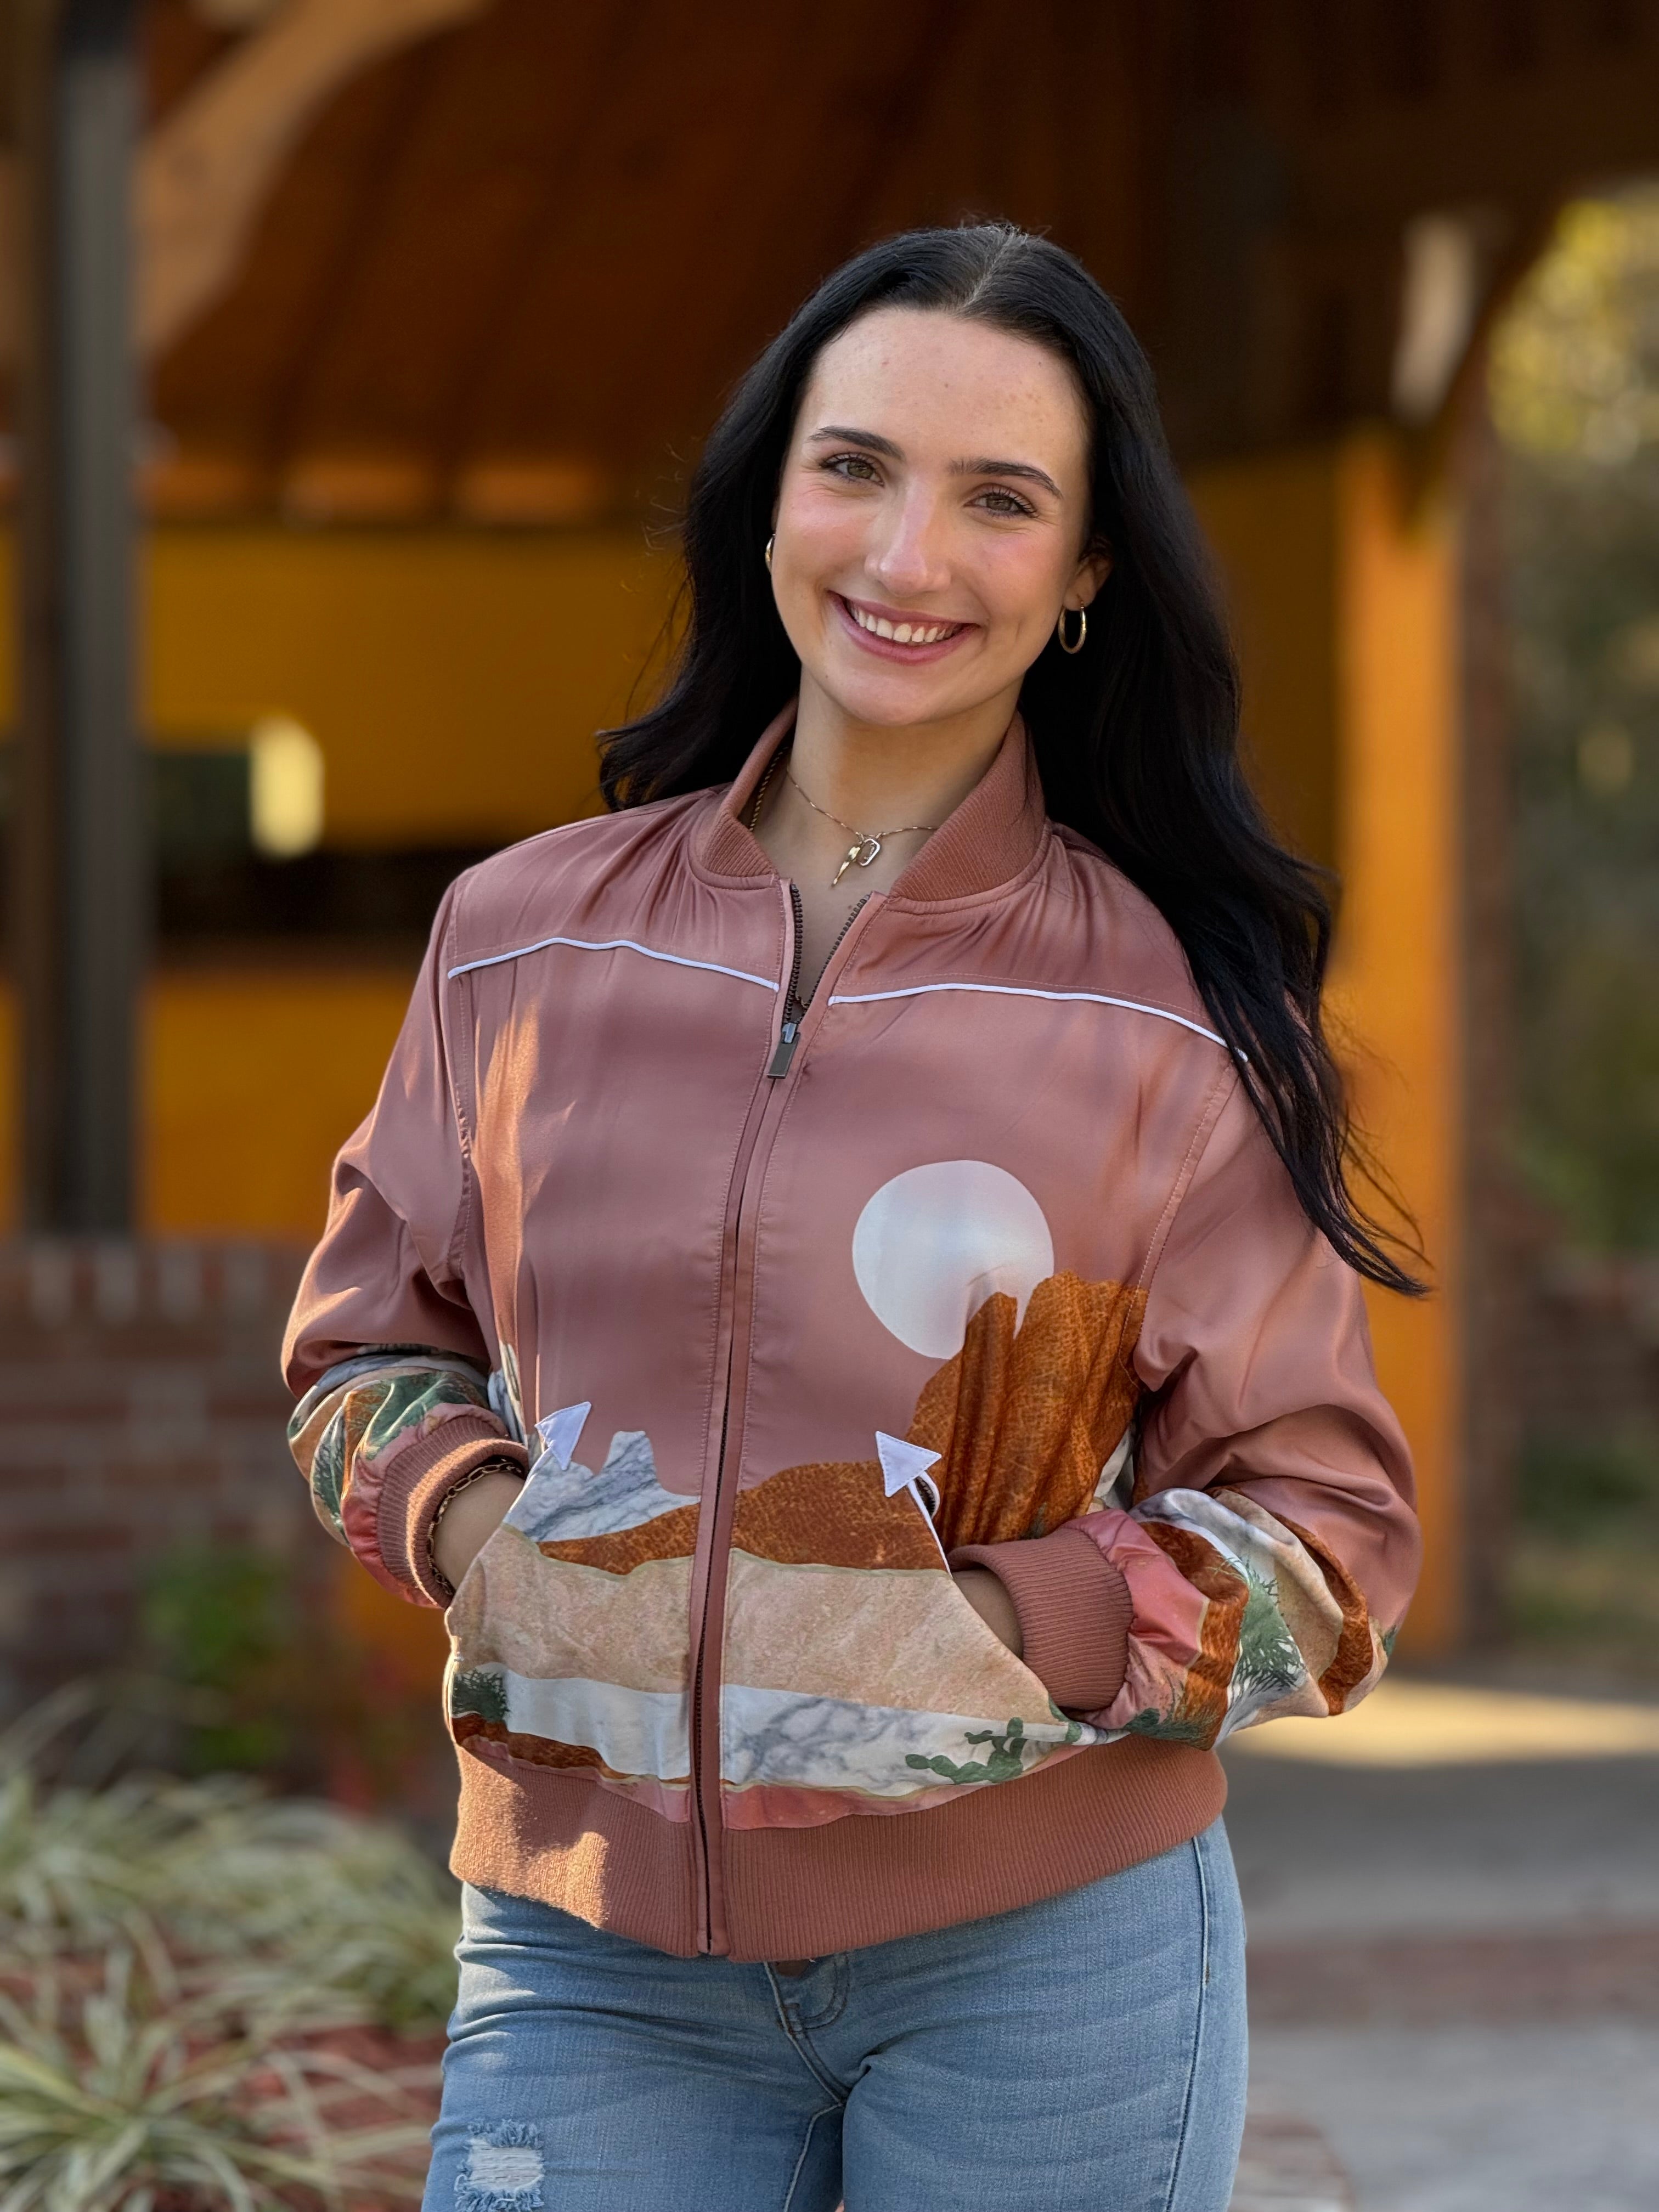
[1287, 2166]
[1454, 1980]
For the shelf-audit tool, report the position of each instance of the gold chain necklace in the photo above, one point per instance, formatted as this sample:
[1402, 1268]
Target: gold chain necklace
[866, 843]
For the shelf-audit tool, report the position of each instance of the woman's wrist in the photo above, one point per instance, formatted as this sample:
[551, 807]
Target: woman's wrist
[1074, 1608]
[469, 1516]
[990, 1600]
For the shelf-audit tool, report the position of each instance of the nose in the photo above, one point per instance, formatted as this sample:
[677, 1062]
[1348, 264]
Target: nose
[909, 557]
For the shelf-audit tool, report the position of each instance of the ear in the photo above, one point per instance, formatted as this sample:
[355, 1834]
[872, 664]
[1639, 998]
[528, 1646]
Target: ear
[1092, 570]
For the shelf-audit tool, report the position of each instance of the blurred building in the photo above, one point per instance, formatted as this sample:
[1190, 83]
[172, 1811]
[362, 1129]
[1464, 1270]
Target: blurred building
[436, 297]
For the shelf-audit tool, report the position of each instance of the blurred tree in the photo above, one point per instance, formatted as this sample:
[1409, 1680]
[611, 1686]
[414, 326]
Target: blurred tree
[245, 1667]
[223, 1621]
[1575, 392]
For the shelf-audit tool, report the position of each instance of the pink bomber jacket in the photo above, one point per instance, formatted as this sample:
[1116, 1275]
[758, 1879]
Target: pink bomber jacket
[985, 1258]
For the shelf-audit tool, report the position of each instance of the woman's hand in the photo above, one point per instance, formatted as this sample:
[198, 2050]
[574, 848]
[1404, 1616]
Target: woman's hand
[469, 1521]
[992, 1602]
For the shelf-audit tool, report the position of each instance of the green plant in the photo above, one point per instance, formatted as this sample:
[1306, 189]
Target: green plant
[179, 1961]
[1591, 1488]
[243, 1667]
[76, 1864]
[1583, 1575]
[311, 1911]
[1575, 390]
[222, 1619]
[139, 2092]
[302, 1896]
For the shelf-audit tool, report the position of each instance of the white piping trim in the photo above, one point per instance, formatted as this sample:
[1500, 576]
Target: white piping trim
[1021, 991]
[614, 944]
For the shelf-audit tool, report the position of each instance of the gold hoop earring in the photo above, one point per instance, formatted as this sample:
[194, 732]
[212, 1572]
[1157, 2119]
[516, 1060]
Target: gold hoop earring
[770, 543]
[1082, 614]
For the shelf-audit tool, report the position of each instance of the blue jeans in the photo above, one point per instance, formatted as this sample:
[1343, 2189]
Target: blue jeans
[1085, 2054]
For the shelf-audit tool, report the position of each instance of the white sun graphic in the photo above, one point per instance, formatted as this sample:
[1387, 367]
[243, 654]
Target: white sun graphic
[937, 1241]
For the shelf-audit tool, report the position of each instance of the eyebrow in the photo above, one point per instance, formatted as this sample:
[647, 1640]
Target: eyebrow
[979, 465]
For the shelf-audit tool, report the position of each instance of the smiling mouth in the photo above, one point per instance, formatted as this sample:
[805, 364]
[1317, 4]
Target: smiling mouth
[914, 630]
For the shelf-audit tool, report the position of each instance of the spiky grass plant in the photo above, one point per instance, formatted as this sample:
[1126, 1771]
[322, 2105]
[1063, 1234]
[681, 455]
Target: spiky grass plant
[307, 1906]
[346, 1910]
[174, 1959]
[140, 2092]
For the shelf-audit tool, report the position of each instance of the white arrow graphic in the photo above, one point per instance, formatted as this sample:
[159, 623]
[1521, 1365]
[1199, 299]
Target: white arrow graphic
[560, 1432]
[901, 1462]
[905, 1467]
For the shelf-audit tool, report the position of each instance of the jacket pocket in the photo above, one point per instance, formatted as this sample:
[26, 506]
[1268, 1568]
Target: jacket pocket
[568, 1634]
[856, 1677]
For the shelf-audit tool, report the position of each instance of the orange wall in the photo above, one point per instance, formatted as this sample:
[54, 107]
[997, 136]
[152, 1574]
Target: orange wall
[1398, 980]
[453, 679]
[251, 1080]
[1343, 599]
[1273, 525]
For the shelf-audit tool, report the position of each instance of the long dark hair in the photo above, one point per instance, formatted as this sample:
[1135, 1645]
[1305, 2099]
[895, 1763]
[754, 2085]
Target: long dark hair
[1136, 737]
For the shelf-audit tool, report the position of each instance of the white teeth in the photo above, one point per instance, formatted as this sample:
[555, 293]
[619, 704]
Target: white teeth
[901, 633]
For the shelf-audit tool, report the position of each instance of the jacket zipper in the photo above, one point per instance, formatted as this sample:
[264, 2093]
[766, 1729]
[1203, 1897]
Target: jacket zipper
[789, 1029]
[709, 1606]
[712, 1582]
[793, 1012]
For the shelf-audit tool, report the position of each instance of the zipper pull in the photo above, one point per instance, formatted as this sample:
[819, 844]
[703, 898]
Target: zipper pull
[786, 1051]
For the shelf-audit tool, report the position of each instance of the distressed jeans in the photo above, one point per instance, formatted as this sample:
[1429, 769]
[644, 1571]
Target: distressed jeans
[1083, 2054]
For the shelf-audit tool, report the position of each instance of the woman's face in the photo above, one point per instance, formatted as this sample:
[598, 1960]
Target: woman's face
[930, 516]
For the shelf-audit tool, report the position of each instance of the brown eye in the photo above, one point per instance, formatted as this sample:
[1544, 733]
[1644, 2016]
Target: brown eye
[857, 468]
[997, 500]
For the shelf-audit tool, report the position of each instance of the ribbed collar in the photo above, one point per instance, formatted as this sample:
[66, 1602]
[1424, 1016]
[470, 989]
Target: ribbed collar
[986, 842]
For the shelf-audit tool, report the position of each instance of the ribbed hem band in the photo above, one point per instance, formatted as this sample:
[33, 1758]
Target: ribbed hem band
[564, 1839]
[417, 1480]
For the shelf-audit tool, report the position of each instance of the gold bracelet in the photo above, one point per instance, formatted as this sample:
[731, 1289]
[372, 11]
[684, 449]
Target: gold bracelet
[499, 1464]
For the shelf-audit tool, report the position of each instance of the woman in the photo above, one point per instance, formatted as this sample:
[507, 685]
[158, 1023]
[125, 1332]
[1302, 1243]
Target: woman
[884, 1184]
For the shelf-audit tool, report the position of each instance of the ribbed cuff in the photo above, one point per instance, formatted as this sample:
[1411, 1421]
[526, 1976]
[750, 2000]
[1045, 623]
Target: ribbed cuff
[1074, 1612]
[417, 1480]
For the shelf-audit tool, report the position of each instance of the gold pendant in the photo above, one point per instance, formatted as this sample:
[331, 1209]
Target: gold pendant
[861, 854]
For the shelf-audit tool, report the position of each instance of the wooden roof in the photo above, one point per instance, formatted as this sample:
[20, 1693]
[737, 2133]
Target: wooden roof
[510, 266]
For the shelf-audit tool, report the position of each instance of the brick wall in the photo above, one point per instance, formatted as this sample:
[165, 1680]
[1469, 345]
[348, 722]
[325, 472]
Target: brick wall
[140, 1408]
